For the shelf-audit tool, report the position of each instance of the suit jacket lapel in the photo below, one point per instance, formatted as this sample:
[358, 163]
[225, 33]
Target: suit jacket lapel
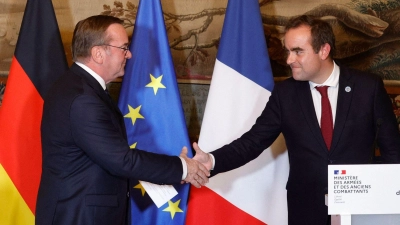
[345, 95]
[96, 87]
[307, 107]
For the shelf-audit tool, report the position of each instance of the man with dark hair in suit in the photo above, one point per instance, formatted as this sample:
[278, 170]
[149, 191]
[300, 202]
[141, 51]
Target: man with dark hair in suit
[86, 157]
[356, 107]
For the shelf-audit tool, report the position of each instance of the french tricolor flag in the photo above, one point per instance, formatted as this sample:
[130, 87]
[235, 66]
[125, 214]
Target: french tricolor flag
[241, 85]
[342, 172]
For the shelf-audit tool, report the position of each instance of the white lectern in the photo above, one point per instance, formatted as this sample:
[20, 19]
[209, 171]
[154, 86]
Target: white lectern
[364, 194]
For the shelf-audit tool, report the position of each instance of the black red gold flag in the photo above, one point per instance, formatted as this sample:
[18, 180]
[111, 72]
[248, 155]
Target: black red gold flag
[38, 60]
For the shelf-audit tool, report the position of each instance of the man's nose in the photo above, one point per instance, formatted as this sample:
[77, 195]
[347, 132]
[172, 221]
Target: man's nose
[128, 54]
[289, 58]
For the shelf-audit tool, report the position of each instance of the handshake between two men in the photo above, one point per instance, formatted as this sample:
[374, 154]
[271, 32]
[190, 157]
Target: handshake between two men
[198, 168]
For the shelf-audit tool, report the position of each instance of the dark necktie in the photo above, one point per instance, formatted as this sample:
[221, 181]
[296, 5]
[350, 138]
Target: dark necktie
[112, 101]
[326, 116]
[108, 93]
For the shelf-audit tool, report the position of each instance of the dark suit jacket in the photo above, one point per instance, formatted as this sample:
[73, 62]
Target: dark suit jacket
[290, 110]
[86, 156]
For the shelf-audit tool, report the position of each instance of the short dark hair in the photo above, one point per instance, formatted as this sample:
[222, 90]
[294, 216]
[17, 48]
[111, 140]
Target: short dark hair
[321, 31]
[91, 32]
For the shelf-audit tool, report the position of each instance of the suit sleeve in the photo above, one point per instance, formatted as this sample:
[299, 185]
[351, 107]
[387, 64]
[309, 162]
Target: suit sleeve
[252, 143]
[96, 131]
[386, 126]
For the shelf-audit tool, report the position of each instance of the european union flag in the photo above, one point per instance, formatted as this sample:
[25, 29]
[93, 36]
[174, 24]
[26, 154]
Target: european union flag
[150, 102]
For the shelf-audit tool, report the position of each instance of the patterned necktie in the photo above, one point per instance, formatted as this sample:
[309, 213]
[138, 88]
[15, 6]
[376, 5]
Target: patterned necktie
[326, 116]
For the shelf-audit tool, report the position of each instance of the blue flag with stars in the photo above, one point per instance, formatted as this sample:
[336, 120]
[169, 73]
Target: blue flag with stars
[152, 109]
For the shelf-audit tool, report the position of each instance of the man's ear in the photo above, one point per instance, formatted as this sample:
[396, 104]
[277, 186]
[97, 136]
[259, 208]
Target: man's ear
[324, 51]
[97, 54]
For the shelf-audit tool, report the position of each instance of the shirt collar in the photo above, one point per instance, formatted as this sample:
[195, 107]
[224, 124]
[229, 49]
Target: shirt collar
[333, 79]
[94, 74]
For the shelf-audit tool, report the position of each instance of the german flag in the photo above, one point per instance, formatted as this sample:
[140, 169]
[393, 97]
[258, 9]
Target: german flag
[38, 61]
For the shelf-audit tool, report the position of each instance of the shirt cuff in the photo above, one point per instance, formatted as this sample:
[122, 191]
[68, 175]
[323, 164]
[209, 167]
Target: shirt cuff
[184, 167]
[213, 161]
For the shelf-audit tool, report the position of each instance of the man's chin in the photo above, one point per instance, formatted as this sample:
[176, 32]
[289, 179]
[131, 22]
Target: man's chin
[297, 76]
[118, 78]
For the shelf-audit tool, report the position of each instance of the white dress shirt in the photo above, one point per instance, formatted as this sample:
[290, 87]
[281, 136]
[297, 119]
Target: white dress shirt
[333, 83]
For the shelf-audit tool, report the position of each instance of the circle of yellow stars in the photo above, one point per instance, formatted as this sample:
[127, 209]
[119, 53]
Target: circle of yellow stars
[134, 114]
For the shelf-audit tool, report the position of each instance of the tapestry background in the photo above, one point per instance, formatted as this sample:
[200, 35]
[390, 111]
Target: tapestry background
[367, 38]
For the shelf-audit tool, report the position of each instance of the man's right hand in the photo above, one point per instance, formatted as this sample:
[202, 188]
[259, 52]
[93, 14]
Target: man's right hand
[197, 173]
[202, 157]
